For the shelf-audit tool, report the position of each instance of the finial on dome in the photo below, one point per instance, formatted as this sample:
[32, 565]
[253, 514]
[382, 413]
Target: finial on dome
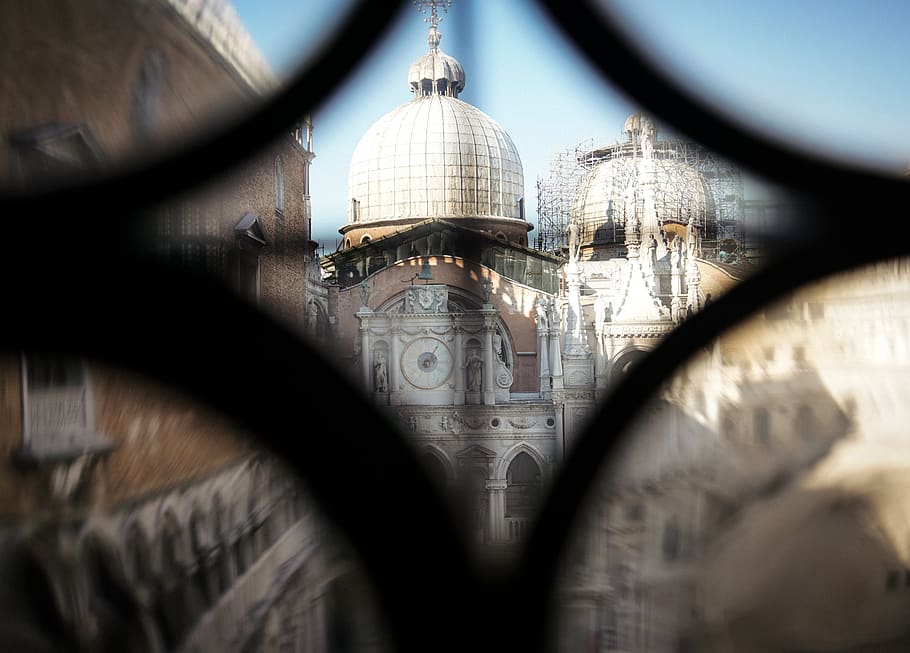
[433, 19]
[435, 73]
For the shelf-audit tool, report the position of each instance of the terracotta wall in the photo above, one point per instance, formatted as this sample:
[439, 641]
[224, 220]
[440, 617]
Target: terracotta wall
[162, 439]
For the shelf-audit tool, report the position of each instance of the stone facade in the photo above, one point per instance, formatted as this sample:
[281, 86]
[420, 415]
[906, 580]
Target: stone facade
[492, 357]
[749, 483]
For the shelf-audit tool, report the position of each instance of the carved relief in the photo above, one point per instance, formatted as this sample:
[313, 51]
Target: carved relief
[504, 377]
[426, 299]
[579, 377]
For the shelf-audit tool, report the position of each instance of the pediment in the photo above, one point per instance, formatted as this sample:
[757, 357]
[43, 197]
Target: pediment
[475, 452]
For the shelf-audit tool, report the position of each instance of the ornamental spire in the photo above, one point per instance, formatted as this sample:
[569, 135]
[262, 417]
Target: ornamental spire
[433, 6]
[435, 73]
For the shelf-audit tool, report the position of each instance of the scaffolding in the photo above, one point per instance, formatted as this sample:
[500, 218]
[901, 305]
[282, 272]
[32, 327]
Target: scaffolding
[722, 225]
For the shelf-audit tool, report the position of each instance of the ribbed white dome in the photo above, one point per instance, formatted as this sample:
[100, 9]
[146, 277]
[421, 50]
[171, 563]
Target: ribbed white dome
[435, 156]
[607, 195]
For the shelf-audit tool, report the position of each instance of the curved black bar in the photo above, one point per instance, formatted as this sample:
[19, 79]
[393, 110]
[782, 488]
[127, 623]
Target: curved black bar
[177, 329]
[539, 567]
[832, 197]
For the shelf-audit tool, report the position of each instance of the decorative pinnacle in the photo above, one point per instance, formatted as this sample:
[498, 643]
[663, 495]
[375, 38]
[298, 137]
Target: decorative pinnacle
[433, 5]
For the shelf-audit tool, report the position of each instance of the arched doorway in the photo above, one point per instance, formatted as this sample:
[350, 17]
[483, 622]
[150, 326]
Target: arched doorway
[436, 468]
[523, 481]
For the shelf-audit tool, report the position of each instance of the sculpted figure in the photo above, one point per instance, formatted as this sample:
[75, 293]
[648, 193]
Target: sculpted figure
[365, 292]
[542, 320]
[573, 240]
[475, 372]
[600, 313]
[382, 376]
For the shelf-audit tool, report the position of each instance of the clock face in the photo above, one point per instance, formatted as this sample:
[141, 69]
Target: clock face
[426, 362]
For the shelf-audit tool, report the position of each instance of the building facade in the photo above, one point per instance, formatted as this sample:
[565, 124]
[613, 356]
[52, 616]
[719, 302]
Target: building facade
[492, 355]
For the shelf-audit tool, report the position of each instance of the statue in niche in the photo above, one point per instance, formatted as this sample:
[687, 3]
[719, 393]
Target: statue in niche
[381, 372]
[475, 372]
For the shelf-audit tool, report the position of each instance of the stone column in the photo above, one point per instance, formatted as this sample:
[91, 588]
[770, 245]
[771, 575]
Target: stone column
[559, 408]
[366, 356]
[543, 353]
[394, 367]
[489, 362]
[600, 361]
[496, 509]
[459, 366]
[543, 356]
[555, 360]
[560, 411]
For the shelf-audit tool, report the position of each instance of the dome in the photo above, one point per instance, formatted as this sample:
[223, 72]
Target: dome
[613, 189]
[435, 156]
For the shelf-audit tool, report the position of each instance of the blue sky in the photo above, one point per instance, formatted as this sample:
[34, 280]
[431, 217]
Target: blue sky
[831, 73]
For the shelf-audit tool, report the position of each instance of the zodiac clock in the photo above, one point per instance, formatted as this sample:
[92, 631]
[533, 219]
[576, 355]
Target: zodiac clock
[426, 362]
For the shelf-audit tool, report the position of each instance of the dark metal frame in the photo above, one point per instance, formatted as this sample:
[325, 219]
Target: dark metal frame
[79, 280]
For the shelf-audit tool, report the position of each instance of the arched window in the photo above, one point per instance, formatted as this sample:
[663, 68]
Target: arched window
[523, 486]
[279, 187]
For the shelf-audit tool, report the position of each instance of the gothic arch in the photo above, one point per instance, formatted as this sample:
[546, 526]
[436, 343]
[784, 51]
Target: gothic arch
[317, 320]
[199, 530]
[257, 494]
[442, 461]
[513, 451]
[224, 567]
[234, 492]
[137, 555]
[524, 482]
[172, 555]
